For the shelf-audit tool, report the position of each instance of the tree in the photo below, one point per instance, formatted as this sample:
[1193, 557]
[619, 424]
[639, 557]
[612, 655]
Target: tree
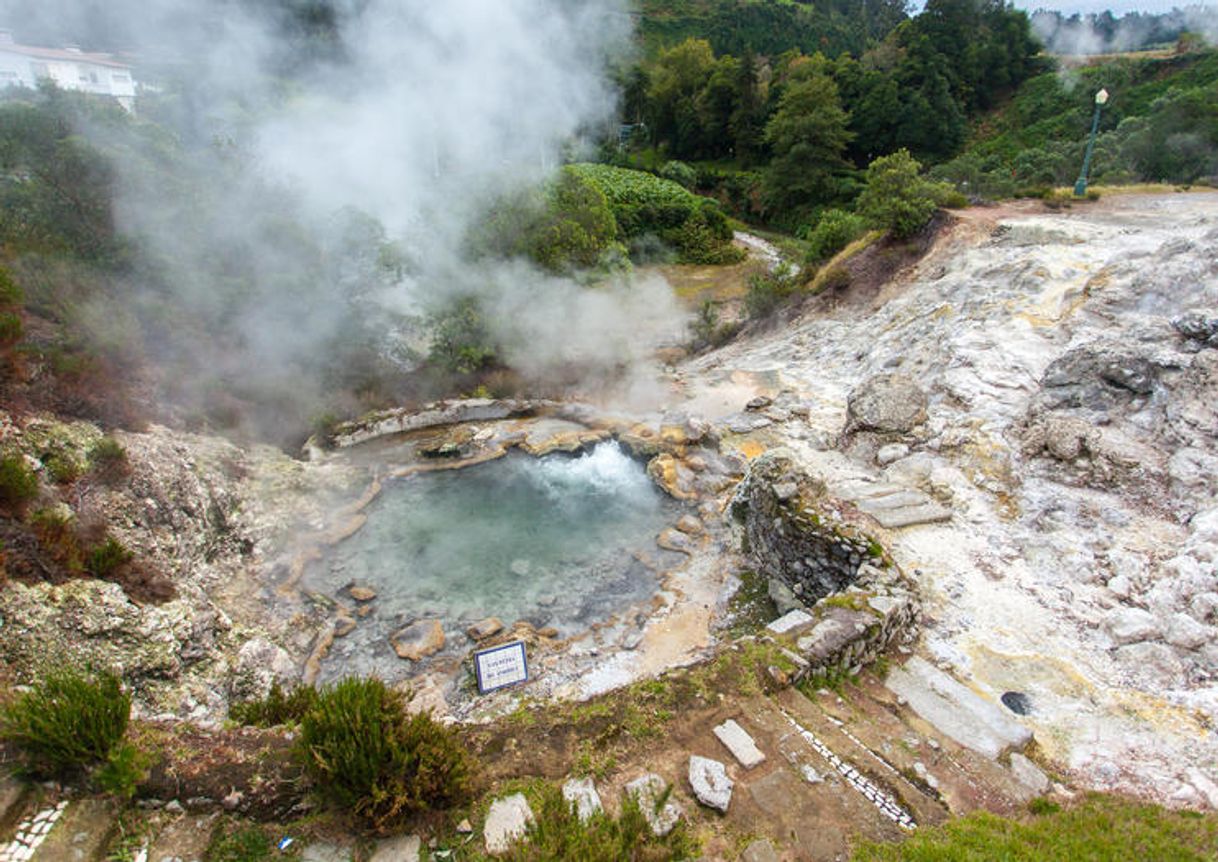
[679, 76]
[747, 123]
[896, 197]
[807, 134]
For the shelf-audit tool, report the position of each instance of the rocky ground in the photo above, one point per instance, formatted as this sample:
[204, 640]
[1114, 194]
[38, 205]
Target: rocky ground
[1049, 379]
[1025, 421]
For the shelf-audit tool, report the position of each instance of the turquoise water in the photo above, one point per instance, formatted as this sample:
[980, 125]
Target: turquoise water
[547, 540]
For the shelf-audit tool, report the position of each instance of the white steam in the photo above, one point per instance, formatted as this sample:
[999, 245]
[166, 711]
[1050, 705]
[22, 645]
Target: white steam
[434, 109]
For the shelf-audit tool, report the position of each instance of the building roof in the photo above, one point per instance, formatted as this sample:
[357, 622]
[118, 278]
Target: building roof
[72, 54]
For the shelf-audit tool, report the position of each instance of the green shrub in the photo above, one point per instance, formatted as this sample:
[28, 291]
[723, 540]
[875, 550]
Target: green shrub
[108, 459]
[557, 833]
[18, 484]
[835, 230]
[680, 173]
[460, 340]
[768, 290]
[247, 844]
[896, 198]
[947, 196]
[105, 559]
[57, 534]
[11, 328]
[836, 278]
[62, 468]
[67, 721]
[278, 707]
[125, 767]
[368, 757]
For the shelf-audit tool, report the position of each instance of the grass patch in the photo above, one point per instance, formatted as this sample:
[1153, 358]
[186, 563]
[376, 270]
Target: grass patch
[108, 460]
[246, 844]
[1099, 828]
[751, 607]
[68, 721]
[558, 835]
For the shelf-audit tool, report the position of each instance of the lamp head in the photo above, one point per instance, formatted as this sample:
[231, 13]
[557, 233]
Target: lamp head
[1101, 97]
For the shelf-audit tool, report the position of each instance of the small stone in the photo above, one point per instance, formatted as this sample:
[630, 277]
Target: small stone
[465, 827]
[403, 848]
[739, 743]
[484, 629]
[418, 640]
[173, 806]
[582, 793]
[649, 789]
[232, 800]
[361, 593]
[1185, 632]
[761, 402]
[1017, 702]
[505, 822]
[892, 452]
[710, 782]
[785, 490]
[1029, 774]
[691, 525]
[1131, 625]
[759, 851]
[791, 623]
[810, 774]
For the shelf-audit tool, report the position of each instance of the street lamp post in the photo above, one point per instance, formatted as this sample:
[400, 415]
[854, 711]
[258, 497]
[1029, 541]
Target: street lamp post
[1080, 188]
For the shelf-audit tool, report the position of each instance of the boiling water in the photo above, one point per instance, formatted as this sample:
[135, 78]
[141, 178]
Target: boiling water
[549, 540]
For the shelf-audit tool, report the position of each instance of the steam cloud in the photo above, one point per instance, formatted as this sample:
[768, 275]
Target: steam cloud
[435, 109]
[1079, 36]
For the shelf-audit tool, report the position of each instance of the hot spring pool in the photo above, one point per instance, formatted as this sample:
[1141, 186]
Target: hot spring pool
[550, 540]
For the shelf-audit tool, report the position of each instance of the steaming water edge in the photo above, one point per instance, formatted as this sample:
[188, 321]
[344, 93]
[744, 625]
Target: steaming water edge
[549, 540]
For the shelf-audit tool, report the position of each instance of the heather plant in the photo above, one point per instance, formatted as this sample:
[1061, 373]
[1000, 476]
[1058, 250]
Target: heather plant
[367, 756]
[70, 720]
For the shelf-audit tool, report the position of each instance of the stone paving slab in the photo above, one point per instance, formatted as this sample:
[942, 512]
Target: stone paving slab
[893, 506]
[957, 711]
[739, 743]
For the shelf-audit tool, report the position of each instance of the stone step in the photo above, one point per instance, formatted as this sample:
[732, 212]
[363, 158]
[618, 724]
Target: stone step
[892, 505]
[910, 516]
[957, 711]
[739, 743]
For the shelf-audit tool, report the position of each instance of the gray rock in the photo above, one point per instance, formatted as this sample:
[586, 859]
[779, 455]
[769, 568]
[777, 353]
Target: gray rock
[1130, 625]
[1185, 632]
[956, 710]
[404, 848]
[484, 629]
[507, 820]
[1096, 379]
[739, 743]
[649, 789]
[785, 490]
[1029, 774]
[691, 525]
[1152, 665]
[892, 452]
[890, 403]
[783, 597]
[582, 792]
[710, 782]
[326, 853]
[792, 622]
[760, 850]
[259, 665]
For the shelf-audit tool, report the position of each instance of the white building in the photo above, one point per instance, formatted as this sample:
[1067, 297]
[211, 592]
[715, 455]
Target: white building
[69, 68]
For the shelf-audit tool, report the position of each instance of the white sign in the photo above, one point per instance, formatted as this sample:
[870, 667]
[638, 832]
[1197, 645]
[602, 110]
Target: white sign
[501, 666]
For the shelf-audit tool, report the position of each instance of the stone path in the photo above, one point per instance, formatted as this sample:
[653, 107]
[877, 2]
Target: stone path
[892, 505]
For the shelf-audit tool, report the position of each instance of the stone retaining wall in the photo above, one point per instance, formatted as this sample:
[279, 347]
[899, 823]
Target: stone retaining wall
[843, 602]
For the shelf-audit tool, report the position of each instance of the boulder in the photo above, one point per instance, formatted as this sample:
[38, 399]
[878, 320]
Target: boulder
[710, 782]
[418, 640]
[1096, 378]
[259, 665]
[1131, 625]
[507, 821]
[648, 790]
[403, 848]
[890, 453]
[581, 792]
[888, 403]
[1186, 633]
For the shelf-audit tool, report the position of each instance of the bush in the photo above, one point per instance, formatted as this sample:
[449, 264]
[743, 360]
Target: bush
[367, 756]
[56, 532]
[10, 293]
[835, 230]
[460, 340]
[278, 707]
[896, 198]
[125, 767]
[557, 833]
[768, 290]
[18, 484]
[680, 173]
[68, 721]
[108, 460]
[62, 468]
